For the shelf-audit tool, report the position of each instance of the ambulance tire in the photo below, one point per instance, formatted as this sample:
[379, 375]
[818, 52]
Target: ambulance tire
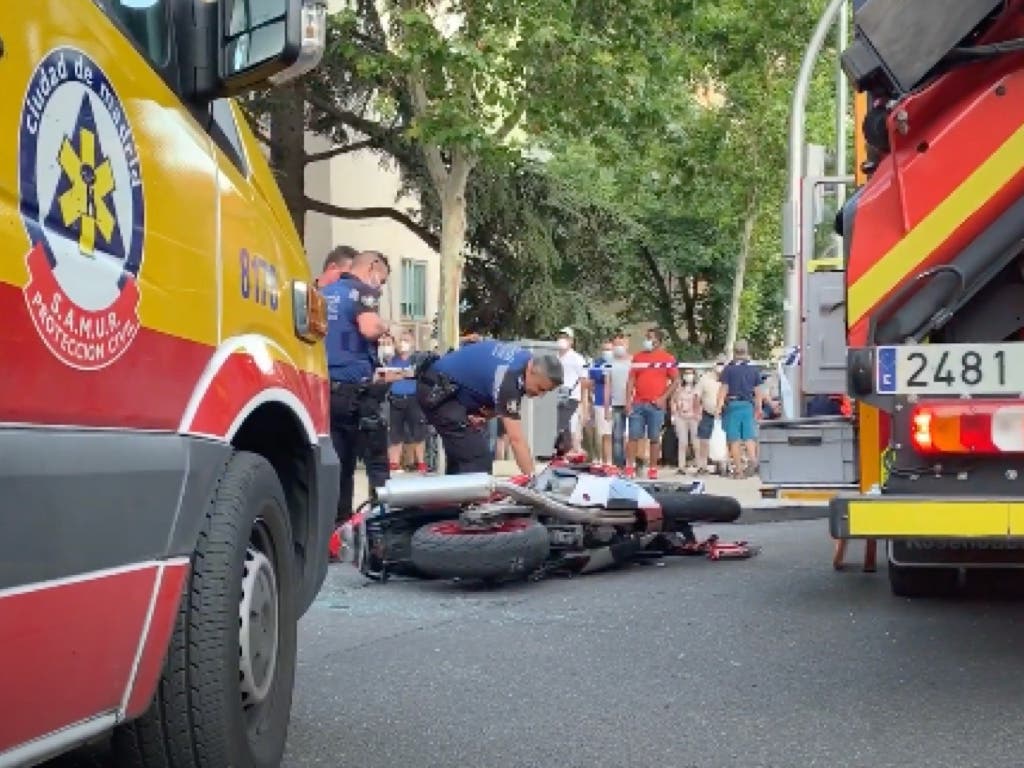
[922, 582]
[204, 712]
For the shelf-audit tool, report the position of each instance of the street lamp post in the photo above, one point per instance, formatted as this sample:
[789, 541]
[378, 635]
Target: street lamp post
[792, 255]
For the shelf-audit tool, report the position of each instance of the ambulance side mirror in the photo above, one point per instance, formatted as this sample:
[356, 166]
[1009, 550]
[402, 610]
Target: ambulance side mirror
[269, 42]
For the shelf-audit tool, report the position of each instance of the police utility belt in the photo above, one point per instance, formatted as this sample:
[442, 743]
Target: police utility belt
[440, 387]
[373, 389]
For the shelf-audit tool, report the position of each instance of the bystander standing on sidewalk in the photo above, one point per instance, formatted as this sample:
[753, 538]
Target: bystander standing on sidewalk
[601, 388]
[707, 390]
[407, 426]
[571, 394]
[652, 379]
[686, 410]
[619, 380]
[739, 403]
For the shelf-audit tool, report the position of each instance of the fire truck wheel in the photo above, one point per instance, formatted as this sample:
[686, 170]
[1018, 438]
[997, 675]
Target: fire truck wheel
[922, 582]
[225, 695]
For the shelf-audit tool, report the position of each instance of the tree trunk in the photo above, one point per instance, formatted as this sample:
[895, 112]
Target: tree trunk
[663, 301]
[737, 283]
[288, 150]
[688, 286]
[453, 240]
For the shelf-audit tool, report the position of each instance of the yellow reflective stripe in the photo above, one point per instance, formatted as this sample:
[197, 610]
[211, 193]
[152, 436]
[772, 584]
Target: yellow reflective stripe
[1016, 519]
[935, 228]
[964, 519]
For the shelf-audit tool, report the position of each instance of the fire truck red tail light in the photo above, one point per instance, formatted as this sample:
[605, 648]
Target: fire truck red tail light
[968, 427]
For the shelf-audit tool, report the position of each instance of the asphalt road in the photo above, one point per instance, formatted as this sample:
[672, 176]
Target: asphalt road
[775, 661]
[771, 662]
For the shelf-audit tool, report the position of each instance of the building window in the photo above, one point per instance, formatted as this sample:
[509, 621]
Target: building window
[414, 289]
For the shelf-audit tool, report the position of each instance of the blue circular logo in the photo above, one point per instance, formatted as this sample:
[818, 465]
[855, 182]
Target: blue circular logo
[82, 204]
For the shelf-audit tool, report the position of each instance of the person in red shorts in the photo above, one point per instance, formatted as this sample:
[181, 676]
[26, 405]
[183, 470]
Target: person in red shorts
[647, 395]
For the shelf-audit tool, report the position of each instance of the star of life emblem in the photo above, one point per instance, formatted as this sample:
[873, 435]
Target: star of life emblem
[83, 209]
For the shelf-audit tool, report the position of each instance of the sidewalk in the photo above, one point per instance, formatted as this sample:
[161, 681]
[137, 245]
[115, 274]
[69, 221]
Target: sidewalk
[746, 491]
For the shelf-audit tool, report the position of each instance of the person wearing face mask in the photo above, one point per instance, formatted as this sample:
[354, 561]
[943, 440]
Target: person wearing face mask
[354, 327]
[407, 426]
[686, 410]
[571, 411]
[707, 391]
[618, 377]
[601, 389]
[652, 380]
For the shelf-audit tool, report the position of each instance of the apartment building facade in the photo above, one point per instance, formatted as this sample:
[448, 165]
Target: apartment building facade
[360, 180]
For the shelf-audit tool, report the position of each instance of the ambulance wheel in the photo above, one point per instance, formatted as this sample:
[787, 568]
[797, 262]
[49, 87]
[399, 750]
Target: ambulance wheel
[922, 582]
[225, 695]
[514, 548]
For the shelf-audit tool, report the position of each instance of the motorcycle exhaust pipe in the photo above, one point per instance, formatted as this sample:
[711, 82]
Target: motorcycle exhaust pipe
[564, 511]
[478, 487]
[411, 491]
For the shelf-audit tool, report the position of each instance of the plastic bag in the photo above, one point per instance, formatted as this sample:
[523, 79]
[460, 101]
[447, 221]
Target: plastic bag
[718, 448]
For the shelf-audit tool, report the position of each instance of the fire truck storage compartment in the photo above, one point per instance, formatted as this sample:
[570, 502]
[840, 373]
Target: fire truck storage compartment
[818, 450]
[824, 333]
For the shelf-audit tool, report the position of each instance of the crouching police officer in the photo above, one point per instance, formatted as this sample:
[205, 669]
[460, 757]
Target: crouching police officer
[460, 391]
[354, 325]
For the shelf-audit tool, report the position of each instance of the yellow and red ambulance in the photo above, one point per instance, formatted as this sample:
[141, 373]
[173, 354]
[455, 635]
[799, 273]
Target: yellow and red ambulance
[167, 481]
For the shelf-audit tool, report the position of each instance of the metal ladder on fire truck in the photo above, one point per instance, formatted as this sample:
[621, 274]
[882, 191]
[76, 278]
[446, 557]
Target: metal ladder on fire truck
[813, 458]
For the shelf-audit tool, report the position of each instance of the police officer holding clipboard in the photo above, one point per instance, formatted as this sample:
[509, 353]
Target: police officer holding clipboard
[354, 325]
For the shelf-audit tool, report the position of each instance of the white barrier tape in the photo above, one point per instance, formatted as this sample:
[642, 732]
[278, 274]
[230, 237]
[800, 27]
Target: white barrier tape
[641, 366]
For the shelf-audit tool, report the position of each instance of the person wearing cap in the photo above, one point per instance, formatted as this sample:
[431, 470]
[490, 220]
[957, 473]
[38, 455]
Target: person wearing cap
[707, 389]
[462, 390]
[575, 384]
[739, 403]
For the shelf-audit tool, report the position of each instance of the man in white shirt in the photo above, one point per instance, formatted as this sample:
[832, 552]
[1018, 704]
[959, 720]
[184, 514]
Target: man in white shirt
[707, 388]
[572, 404]
[618, 379]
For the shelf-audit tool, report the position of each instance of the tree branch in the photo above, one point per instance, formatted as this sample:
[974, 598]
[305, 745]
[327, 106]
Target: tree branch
[511, 121]
[421, 231]
[356, 122]
[431, 152]
[344, 149]
[664, 301]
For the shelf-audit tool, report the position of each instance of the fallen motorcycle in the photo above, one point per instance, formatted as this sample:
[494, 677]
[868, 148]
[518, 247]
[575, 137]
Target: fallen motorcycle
[569, 519]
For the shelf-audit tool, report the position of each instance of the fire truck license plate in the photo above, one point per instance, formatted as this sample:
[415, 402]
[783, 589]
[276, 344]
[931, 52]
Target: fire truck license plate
[950, 369]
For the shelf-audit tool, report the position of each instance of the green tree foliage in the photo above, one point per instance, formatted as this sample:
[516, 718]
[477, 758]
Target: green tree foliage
[701, 251]
[468, 78]
[653, 194]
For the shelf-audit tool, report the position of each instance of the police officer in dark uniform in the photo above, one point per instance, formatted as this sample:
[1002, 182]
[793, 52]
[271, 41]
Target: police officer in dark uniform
[354, 325]
[460, 391]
